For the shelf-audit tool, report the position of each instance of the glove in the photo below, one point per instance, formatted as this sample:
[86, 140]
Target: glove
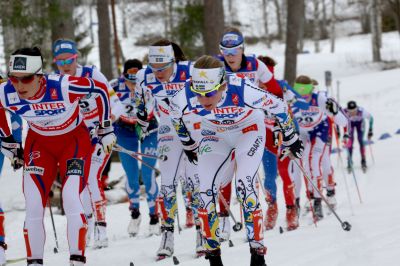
[277, 133]
[14, 151]
[190, 148]
[294, 144]
[107, 138]
[332, 106]
[370, 134]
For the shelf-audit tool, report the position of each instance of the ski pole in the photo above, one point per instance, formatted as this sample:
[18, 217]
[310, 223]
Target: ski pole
[238, 226]
[354, 176]
[177, 219]
[54, 227]
[341, 161]
[345, 225]
[117, 147]
[133, 155]
[372, 154]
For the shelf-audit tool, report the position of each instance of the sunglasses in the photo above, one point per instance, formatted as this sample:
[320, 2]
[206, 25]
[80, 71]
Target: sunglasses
[161, 69]
[24, 80]
[231, 51]
[130, 77]
[207, 94]
[63, 62]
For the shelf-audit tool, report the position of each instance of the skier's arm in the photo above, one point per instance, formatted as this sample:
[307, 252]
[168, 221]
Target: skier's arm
[268, 80]
[178, 105]
[367, 115]
[256, 98]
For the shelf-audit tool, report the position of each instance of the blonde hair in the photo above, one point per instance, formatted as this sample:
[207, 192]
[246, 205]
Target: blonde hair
[207, 62]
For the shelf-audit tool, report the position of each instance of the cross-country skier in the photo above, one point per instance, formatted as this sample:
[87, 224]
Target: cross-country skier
[164, 76]
[65, 55]
[129, 135]
[57, 138]
[314, 131]
[235, 61]
[357, 116]
[231, 122]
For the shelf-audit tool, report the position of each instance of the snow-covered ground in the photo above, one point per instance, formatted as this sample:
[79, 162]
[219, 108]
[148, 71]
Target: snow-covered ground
[375, 235]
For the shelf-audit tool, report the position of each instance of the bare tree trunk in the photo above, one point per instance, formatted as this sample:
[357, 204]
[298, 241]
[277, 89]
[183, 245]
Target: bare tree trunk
[333, 24]
[232, 12]
[124, 19]
[294, 7]
[104, 38]
[395, 9]
[279, 19]
[91, 20]
[324, 22]
[63, 25]
[302, 30]
[265, 20]
[213, 25]
[375, 18]
[316, 29]
[364, 17]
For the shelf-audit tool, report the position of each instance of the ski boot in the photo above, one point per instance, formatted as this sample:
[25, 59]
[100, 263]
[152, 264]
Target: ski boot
[189, 218]
[3, 247]
[224, 226]
[330, 197]
[200, 241]
[318, 209]
[272, 215]
[89, 233]
[167, 242]
[364, 165]
[35, 262]
[133, 227]
[214, 257]
[100, 235]
[257, 256]
[77, 260]
[292, 218]
[154, 227]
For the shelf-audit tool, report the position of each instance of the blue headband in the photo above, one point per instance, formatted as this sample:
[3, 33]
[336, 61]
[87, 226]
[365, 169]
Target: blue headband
[231, 39]
[64, 47]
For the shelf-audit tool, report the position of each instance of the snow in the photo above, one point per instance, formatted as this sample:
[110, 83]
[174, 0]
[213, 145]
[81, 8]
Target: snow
[375, 235]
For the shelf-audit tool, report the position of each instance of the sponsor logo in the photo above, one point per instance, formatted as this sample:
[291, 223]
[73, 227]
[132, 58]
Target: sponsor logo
[163, 149]
[164, 129]
[33, 156]
[204, 149]
[197, 125]
[206, 132]
[262, 99]
[53, 94]
[182, 76]
[166, 138]
[255, 146]
[250, 128]
[34, 170]
[150, 151]
[19, 63]
[228, 112]
[75, 167]
[210, 138]
[235, 99]
[13, 98]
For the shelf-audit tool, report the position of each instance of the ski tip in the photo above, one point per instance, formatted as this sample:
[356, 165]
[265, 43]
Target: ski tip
[230, 243]
[131, 264]
[281, 230]
[175, 259]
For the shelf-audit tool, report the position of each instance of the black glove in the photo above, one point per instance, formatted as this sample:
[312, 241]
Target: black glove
[277, 133]
[190, 148]
[370, 134]
[14, 151]
[332, 106]
[295, 145]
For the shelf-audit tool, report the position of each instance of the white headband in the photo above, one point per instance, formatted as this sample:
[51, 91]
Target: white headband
[206, 79]
[161, 54]
[29, 64]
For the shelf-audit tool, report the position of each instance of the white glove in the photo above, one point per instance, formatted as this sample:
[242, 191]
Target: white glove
[107, 138]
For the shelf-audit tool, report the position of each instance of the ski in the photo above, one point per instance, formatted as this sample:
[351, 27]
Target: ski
[12, 261]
